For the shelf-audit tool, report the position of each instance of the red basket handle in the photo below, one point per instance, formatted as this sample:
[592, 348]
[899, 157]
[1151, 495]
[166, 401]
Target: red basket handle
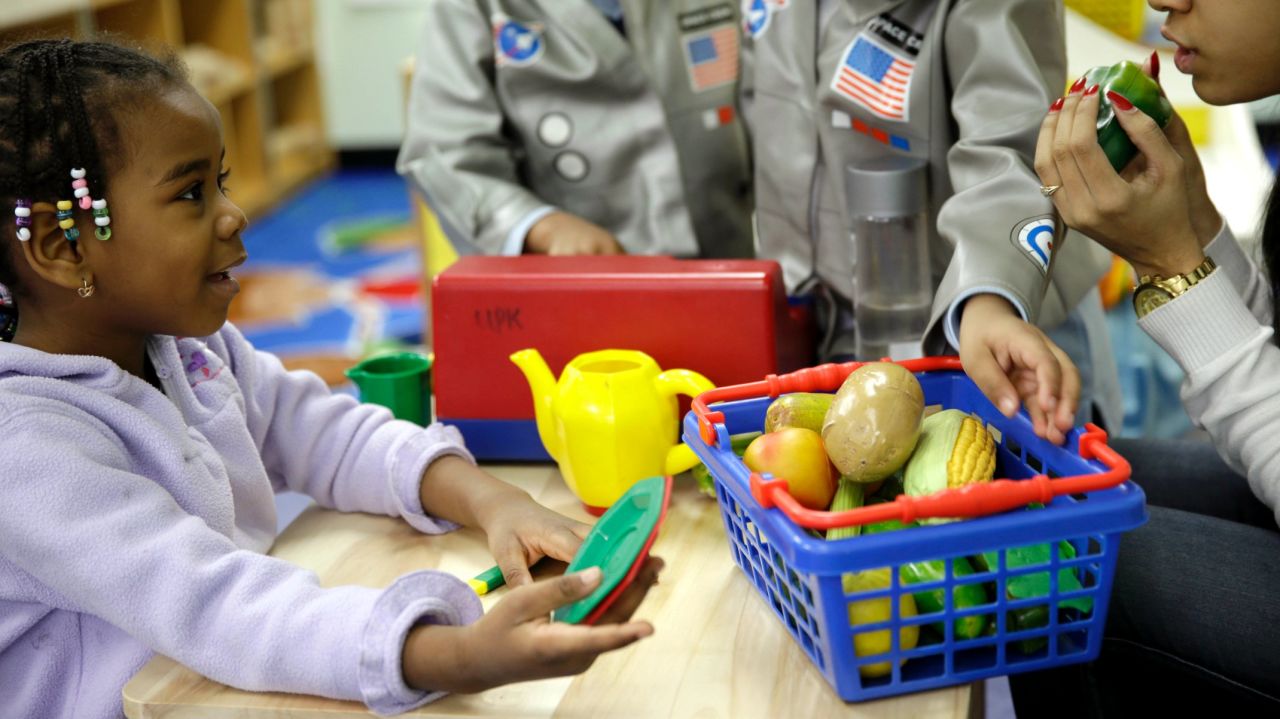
[971, 501]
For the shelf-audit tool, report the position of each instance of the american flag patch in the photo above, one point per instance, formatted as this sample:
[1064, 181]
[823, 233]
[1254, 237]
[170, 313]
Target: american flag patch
[875, 78]
[712, 57]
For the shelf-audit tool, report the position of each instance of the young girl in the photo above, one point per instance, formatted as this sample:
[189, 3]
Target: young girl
[143, 438]
[1194, 626]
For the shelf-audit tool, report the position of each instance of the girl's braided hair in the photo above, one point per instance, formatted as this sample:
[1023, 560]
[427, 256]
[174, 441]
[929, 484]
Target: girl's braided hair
[60, 102]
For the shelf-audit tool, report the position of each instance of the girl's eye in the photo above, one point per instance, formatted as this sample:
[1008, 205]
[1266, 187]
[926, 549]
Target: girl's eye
[195, 192]
[222, 181]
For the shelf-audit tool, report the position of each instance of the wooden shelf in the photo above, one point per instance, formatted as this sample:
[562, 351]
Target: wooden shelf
[253, 59]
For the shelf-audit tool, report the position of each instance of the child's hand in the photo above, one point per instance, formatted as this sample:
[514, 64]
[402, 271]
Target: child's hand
[521, 532]
[516, 641]
[561, 233]
[1010, 359]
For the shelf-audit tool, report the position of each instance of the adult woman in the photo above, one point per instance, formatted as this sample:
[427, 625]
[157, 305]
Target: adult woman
[1194, 620]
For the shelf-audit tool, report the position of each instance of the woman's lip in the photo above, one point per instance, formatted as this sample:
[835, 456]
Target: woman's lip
[1183, 59]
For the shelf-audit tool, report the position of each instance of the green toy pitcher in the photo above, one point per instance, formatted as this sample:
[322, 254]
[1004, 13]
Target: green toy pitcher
[401, 382]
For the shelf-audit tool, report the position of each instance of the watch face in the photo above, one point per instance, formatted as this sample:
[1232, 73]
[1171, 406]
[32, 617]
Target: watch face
[1149, 297]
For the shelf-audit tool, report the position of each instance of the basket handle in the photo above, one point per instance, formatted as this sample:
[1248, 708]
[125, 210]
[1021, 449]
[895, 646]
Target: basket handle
[970, 501]
[823, 378]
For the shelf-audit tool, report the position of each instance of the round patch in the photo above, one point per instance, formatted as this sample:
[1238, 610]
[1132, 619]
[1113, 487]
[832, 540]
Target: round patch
[516, 43]
[554, 129]
[572, 166]
[1035, 238]
[755, 17]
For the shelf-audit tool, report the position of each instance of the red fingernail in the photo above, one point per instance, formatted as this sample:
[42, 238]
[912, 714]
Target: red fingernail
[1155, 66]
[1120, 102]
[1057, 104]
[1093, 90]
[1077, 87]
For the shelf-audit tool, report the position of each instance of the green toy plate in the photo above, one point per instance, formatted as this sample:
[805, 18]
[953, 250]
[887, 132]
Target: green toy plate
[618, 544]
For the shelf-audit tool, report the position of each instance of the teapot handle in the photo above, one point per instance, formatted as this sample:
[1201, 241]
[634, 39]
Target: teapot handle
[669, 384]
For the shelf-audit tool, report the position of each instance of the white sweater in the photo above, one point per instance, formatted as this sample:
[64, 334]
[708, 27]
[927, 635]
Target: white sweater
[1219, 331]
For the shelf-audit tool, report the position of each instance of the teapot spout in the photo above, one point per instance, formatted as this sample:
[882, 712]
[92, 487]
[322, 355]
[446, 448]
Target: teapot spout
[542, 384]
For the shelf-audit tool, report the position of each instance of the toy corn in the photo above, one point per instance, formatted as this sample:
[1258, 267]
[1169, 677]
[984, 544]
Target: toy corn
[955, 449]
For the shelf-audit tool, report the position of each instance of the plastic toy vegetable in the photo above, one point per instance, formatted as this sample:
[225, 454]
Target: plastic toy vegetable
[874, 421]
[798, 456]
[798, 409]
[702, 475]
[876, 611]
[1125, 79]
[931, 601]
[955, 449]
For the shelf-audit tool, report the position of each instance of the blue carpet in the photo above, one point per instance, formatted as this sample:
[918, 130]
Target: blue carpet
[309, 236]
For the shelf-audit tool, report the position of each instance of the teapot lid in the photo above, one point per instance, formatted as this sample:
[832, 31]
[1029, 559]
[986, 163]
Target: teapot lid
[618, 544]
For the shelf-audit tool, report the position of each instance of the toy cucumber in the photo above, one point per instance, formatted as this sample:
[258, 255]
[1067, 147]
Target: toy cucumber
[1127, 80]
[935, 570]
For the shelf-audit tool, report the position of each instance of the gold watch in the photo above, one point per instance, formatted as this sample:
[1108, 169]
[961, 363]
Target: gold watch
[1154, 291]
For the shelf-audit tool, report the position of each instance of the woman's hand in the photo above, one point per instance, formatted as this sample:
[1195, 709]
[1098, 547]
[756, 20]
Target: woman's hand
[1011, 360]
[516, 641]
[561, 233]
[521, 531]
[1145, 218]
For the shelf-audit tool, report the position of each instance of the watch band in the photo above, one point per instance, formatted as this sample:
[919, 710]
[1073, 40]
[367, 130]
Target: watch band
[1154, 291]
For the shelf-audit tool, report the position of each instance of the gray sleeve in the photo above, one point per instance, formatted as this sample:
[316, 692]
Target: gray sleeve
[458, 150]
[1005, 62]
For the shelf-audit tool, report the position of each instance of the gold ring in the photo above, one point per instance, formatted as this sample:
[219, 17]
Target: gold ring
[1048, 190]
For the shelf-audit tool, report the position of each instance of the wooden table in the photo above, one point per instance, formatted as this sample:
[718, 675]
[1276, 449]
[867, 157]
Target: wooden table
[718, 650]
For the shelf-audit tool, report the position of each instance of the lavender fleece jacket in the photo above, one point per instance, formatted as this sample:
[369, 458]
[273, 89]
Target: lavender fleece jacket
[134, 522]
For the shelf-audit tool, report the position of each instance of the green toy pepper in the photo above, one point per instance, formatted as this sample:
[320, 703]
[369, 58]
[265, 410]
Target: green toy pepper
[1128, 80]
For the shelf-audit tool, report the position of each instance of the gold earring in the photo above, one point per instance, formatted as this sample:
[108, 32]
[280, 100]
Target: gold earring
[87, 290]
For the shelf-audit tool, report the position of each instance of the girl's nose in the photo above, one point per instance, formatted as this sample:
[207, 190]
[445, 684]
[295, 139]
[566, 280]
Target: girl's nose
[231, 222]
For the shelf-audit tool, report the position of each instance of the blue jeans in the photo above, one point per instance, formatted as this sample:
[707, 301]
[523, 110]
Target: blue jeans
[1194, 624]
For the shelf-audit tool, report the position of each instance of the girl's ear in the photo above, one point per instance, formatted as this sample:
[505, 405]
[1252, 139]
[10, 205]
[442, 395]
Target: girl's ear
[50, 255]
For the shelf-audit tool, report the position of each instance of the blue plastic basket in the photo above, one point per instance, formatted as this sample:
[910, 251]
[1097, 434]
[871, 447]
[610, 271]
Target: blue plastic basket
[800, 575]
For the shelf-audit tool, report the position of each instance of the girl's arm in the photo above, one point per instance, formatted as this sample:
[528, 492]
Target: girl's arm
[93, 536]
[347, 455]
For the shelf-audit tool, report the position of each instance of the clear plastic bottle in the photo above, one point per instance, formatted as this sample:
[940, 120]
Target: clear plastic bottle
[893, 288]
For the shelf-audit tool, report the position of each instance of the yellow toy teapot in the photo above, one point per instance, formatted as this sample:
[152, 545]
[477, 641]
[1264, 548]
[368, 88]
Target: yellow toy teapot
[611, 420]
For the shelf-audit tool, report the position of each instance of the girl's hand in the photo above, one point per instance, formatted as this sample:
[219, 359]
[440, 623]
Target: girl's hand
[516, 641]
[521, 531]
[1011, 360]
[1145, 219]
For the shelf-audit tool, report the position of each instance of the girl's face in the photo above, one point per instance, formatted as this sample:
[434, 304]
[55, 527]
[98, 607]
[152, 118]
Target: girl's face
[1231, 48]
[175, 234]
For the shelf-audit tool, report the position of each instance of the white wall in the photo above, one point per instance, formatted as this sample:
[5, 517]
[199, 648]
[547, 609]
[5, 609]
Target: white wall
[361, 46]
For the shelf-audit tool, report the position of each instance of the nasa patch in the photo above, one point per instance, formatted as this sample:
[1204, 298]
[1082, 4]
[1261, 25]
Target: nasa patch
[516, 44]
[1035, 237]
[756, 15]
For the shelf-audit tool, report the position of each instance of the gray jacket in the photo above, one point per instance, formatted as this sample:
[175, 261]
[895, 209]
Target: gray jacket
[521, 104]
[980, 75]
